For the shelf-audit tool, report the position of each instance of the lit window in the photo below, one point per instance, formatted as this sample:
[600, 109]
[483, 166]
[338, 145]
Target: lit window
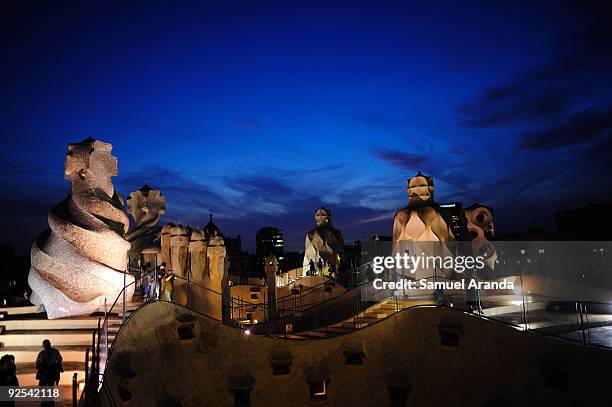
[318, 390]
[318, 381]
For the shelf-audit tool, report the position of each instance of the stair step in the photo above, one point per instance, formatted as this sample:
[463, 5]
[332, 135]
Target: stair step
[29, 379]
[316, 334]
[364, 320]
[373, 314]
[295, 337]
[57, 337]
[127, 311]
[49, 324]
[339, 329]
[331, 333]
[28, 309]
[24, 354]
[30, 367]
[385, 306]
[25, 331]
[377, 314]
[131, 305]
[354, 325]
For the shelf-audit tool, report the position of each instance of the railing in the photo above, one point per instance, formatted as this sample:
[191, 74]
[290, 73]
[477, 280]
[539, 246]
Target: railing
[572, 316]
[221, 307]
[560, 288]
[195, 296]
[74, 389]
[313, 316]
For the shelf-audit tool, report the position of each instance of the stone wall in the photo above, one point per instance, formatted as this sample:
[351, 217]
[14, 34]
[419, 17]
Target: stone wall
[492, 364]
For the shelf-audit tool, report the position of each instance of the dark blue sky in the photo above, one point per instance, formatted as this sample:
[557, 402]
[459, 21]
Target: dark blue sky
[262, 111]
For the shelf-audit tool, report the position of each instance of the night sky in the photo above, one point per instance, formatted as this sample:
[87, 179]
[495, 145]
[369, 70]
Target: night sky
[262, 112]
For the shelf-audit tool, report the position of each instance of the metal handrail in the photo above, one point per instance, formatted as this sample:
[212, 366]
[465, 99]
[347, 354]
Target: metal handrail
[74, 389]
[238, 303]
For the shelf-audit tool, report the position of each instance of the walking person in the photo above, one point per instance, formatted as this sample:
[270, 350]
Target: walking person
[148, 284]
[168, 286]
[161, 272]
[155, 279]
[48, 367]
[144, 272]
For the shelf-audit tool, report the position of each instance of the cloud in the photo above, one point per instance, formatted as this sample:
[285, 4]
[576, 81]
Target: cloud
[287, 204]
[556, 88]
[407, 161]
[260, 186]
[516, 104]
[443, 165]
[577, 129]
[243, 203]
[187, 199]
[561, 111]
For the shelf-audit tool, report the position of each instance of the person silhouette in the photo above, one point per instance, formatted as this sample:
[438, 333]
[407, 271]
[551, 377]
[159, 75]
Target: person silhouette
[8, 375]
[48, 367]
[311, 268]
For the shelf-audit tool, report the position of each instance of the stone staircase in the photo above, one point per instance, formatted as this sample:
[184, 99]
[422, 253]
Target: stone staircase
[499, 307]
[22, 331]
[371, 315]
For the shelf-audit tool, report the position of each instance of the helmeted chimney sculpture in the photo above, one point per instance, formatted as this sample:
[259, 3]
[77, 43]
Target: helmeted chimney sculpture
[82, 258]
[419, 227]
[421, 219]
[324, 245]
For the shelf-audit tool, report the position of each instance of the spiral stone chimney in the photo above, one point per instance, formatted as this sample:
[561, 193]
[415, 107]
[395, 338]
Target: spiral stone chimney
[81, 259]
